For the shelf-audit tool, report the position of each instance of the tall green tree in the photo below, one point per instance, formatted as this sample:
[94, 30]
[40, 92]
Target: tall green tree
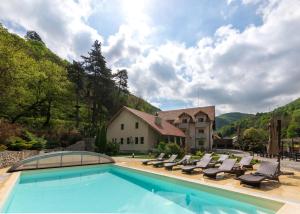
[121, 78]
[32, 35]
[77, 75]
[101, 83]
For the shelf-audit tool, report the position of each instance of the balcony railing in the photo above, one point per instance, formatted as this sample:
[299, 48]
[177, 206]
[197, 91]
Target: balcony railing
[183, 125]
[200, 135]
[201, 124]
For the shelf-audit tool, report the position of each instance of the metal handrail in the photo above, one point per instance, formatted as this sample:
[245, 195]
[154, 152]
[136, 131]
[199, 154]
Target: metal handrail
[60, 164]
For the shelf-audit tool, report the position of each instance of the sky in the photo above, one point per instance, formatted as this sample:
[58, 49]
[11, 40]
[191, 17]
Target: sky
[239, 55]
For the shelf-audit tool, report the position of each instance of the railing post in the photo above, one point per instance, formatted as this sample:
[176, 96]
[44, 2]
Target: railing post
[61, 156]
[81, 159]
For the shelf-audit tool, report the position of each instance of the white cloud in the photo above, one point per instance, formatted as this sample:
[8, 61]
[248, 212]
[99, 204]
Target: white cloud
[250, 70]
[241, 71]
[61, 24]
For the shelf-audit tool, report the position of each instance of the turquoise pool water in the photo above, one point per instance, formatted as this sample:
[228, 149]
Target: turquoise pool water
[112, 189]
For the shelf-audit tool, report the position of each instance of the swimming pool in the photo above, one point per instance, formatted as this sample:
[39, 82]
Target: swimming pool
[114, 189]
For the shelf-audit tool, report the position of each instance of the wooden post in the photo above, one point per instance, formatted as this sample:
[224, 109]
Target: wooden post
[279, 142]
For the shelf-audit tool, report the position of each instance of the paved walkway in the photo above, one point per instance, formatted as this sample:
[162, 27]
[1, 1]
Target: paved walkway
[284, 164]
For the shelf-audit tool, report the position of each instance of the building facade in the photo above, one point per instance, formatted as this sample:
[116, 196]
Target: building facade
[196, 123]
[137, 131]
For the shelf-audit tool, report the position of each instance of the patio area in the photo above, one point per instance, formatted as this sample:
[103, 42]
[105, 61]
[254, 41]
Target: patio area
[288, 189]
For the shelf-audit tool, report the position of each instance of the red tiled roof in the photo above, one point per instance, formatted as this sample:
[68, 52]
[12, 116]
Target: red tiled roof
[164, 129]
[174, 114]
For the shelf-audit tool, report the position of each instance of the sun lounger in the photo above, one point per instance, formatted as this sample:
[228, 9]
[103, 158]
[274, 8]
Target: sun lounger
[207, 155]
[226, 166]
[266, 171]
[159, 158]
[213, 163]
[184, 160]
[161, 163]
[202, 164]
[245, 162]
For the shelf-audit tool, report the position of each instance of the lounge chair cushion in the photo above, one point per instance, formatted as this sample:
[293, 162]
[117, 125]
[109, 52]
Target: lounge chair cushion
[252, 178]
[212, 171]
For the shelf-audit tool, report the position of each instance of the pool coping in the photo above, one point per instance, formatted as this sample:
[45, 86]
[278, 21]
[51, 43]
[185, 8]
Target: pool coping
[288, 206]
[7, 187]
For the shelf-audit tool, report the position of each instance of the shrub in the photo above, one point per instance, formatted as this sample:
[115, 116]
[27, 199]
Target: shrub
[173, 148]
[7, 130]
[161, 147]
[17, 143]
[38, 143]
[200, 153]
[112, 148]
[2, 147]
[100, 141]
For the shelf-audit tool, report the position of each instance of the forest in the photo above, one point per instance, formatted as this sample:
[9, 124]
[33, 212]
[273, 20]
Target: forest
[49, 100]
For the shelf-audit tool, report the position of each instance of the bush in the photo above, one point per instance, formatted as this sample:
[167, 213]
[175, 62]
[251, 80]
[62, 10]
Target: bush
[173, 148]
[161, 147]
[100, 141]
[2, 147]
[17, 143]
[7, 130]
[37, 143]
[112, 148]
[200, 154]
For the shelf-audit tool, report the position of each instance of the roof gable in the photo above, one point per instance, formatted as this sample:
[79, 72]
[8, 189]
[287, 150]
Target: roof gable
[164, 129]
[174, 114]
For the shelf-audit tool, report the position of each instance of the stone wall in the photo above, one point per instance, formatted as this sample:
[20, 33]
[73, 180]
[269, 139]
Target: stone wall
[8, 158]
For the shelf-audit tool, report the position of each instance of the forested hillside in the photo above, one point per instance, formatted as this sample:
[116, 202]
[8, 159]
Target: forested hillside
[228, 118]
[289, 114]
[41, 91]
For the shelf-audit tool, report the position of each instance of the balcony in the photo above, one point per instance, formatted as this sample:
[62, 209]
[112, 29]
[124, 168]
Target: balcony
[183, 125]
[200, 136]
[201, 124]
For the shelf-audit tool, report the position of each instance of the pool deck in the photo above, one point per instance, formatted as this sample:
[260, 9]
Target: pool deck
[287, 191]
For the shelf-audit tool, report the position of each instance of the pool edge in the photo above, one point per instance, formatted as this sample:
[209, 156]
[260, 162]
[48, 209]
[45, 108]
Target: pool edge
[7, 188]
[287, 206]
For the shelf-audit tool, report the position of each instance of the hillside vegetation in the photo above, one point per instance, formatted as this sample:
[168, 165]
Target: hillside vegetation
[228, 118]
[49, 96]
[289, 114]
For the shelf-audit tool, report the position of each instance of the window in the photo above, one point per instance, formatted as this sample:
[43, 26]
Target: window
[122, 126]
[184, 120]
[137, 125]
[200, 119]
[121, 140]
[142, 140]
[136, 140]
[201, 131]
[201, 142]
[128, 140]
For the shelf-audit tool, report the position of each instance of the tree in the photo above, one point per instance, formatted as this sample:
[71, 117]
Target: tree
[101, 82]
[77, 75]
[254, 139]
[121, 78]
[294, 126]
[32, 35]
[100, 141]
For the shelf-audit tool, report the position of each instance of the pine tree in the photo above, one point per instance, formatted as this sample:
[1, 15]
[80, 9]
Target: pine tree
[121, 78]
[77, 75]
[32, 35]
[101, 82]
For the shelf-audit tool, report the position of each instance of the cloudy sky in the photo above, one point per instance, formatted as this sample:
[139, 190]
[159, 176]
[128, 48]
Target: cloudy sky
[240, 55]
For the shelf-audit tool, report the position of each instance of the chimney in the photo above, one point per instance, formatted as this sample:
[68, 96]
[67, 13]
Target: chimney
[157, 120]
